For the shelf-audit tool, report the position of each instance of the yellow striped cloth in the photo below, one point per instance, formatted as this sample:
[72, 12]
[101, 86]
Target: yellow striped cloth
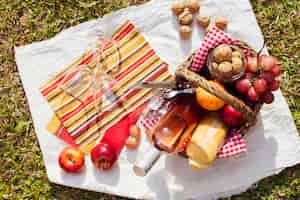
[79, 118]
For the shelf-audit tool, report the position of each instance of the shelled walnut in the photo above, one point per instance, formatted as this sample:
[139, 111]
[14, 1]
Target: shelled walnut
[178, 8]
[193, 5]
[222, 54]
[185, 32]
[203, 21]
[225, 68]
[185, 18]
[237, 64]
[221, 23]
[236, 54]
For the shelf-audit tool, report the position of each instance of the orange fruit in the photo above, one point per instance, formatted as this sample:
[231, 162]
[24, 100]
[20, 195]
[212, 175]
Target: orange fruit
[207, 100]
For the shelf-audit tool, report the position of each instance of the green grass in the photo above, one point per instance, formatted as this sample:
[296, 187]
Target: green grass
[22, 172]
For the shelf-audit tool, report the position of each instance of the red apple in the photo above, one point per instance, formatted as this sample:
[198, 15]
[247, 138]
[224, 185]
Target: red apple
[252, 64]
[231, 117]
[267, 62]
[103, 156]
[71, 159]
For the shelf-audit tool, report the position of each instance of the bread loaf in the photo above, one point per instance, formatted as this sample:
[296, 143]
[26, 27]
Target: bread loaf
[207, 138]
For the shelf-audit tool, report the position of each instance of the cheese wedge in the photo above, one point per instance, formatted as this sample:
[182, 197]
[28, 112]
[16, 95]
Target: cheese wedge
[207, 138]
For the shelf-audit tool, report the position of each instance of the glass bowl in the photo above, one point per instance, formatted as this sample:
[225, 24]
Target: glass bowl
[221, 77]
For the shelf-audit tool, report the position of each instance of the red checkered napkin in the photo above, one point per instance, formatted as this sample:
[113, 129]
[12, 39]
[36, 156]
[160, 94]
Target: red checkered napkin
[213, 38]
[234, 144]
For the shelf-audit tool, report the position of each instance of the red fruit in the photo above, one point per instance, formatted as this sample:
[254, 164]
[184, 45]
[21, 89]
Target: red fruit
[268, 97]
[267, 62]
[276, 70]
[252, 95]
[103, 156]
[243, 85]
[231, 117]
[268, 76]
[275, 85]
[252, 64]
[71, 159]
[260, 85]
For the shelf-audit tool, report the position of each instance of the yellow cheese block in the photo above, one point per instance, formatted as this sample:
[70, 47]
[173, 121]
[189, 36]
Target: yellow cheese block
[207, 138]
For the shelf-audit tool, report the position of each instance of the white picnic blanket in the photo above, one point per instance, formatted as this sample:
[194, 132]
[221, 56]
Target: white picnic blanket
[273, 144]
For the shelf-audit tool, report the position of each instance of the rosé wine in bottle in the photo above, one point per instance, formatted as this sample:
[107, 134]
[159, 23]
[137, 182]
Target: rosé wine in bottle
[181, 117]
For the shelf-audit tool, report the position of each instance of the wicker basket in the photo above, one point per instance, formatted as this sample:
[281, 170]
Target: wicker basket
[196, 80]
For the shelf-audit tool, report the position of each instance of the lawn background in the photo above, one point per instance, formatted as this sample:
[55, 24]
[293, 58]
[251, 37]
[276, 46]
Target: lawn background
[22, 172]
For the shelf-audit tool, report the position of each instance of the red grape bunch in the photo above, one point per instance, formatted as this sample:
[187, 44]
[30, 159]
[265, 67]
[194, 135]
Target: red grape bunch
[260, 79]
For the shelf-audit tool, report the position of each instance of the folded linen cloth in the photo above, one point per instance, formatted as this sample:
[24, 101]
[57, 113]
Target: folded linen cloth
[270, 149]
[79, 122]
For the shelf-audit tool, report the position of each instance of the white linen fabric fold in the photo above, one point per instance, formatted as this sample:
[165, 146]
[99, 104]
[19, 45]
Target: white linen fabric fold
[273, 144]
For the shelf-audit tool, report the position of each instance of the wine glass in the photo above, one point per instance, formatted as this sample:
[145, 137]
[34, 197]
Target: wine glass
[77, 86]
[108, 62]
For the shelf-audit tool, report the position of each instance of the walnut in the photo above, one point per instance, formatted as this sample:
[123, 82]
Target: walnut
[237, 65]
[185, 18]
[178, 8]
[203, 21]
[185, 32]
[193, 5]
[214, 66]
[221, 23]
[223, 53]
[225, 69]
[237, 54]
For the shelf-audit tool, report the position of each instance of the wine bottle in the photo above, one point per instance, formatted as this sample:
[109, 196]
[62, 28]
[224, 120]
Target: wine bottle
[180, 118]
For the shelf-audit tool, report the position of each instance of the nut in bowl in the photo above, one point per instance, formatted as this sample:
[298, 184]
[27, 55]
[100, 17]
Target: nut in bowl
[226, 63]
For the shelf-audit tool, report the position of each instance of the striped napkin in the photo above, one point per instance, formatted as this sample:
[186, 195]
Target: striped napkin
[78, 122]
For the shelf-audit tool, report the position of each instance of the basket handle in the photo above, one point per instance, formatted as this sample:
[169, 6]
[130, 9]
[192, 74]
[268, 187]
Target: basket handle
[199, 81]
